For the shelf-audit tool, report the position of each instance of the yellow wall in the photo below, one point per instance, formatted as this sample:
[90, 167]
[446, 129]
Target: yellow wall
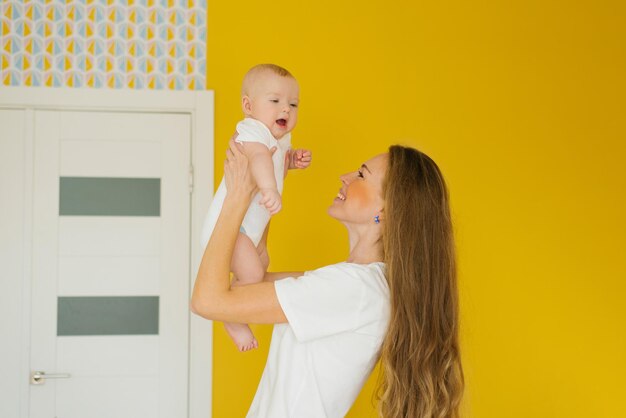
[522, 105]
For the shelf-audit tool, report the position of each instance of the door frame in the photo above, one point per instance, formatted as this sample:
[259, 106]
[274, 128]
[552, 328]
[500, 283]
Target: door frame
[200, 106]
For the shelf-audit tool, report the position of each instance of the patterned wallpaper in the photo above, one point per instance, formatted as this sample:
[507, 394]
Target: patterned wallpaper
[133, 44]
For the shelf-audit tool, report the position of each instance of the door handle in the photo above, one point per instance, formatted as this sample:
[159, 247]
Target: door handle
[39, 377]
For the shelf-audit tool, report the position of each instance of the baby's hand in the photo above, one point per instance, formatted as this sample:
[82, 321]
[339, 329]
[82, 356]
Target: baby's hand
[271, 200]
[300, 158]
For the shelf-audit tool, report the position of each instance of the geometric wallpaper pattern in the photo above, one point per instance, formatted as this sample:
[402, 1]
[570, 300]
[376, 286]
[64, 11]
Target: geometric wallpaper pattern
[130, 44]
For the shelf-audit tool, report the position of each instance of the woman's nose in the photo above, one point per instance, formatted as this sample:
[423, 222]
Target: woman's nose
[347, 178]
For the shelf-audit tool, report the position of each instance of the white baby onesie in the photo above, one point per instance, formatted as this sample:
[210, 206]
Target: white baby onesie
[257, 216]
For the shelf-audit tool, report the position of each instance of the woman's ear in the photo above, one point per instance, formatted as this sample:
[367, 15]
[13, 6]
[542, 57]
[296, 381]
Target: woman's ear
[246, 105]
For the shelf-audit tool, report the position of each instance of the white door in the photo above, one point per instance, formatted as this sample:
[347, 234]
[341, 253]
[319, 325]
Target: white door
[12, 253]
[110, 288]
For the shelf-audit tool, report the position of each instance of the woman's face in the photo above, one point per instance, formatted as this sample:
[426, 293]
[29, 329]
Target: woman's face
[360, 198]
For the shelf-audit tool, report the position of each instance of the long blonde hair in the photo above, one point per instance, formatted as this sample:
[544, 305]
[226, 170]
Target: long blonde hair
[421, 369]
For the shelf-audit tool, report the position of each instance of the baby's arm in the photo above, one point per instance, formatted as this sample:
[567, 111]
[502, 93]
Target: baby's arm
[262, 169]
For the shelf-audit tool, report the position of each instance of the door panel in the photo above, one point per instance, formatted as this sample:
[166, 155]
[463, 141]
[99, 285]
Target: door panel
[111, 158]
[104, 275]
[109, 236]
[104, 397]
[126, 355]
[110, 259]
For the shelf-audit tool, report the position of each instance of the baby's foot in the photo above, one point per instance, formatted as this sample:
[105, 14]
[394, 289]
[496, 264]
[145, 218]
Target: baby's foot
[242, 336]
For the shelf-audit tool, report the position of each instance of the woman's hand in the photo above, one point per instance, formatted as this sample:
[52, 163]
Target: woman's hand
[237, 174]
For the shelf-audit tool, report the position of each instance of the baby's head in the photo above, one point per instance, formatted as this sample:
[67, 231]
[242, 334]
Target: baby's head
[270, 94]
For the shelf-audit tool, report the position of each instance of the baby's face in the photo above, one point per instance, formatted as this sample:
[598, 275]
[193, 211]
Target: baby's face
[273, 100]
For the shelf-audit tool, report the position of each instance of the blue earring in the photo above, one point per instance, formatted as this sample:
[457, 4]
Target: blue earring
[376, 219]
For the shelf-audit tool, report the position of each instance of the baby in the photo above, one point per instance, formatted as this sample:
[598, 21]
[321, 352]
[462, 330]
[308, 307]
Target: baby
[269, 99]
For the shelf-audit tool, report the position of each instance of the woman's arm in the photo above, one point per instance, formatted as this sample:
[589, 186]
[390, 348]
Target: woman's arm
[212, 297]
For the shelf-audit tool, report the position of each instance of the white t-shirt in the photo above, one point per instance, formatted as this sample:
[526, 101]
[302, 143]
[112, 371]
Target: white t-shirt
[257, 216]
[319, 361]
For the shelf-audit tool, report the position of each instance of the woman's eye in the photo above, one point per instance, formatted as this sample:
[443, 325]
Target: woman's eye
[294, 105]
[274, 100]
[360, 174]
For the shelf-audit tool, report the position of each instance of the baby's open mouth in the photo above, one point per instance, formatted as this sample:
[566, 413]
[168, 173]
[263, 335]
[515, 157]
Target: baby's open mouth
[282, 122]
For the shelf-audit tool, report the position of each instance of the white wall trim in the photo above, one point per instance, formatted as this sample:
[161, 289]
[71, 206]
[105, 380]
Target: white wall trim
[199, 104]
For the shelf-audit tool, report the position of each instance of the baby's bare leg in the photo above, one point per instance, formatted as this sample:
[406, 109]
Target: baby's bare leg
[247, 269]
[246, 264]
[264, 258]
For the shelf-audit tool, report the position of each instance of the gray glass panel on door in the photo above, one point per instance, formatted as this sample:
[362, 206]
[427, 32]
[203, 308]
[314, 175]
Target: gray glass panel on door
[109, 196]
[108, 315]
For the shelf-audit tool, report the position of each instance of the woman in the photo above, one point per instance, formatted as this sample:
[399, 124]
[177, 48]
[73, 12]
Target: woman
[395, 296]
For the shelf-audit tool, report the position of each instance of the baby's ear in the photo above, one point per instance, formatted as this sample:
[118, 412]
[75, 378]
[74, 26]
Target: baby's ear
[246, 105]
